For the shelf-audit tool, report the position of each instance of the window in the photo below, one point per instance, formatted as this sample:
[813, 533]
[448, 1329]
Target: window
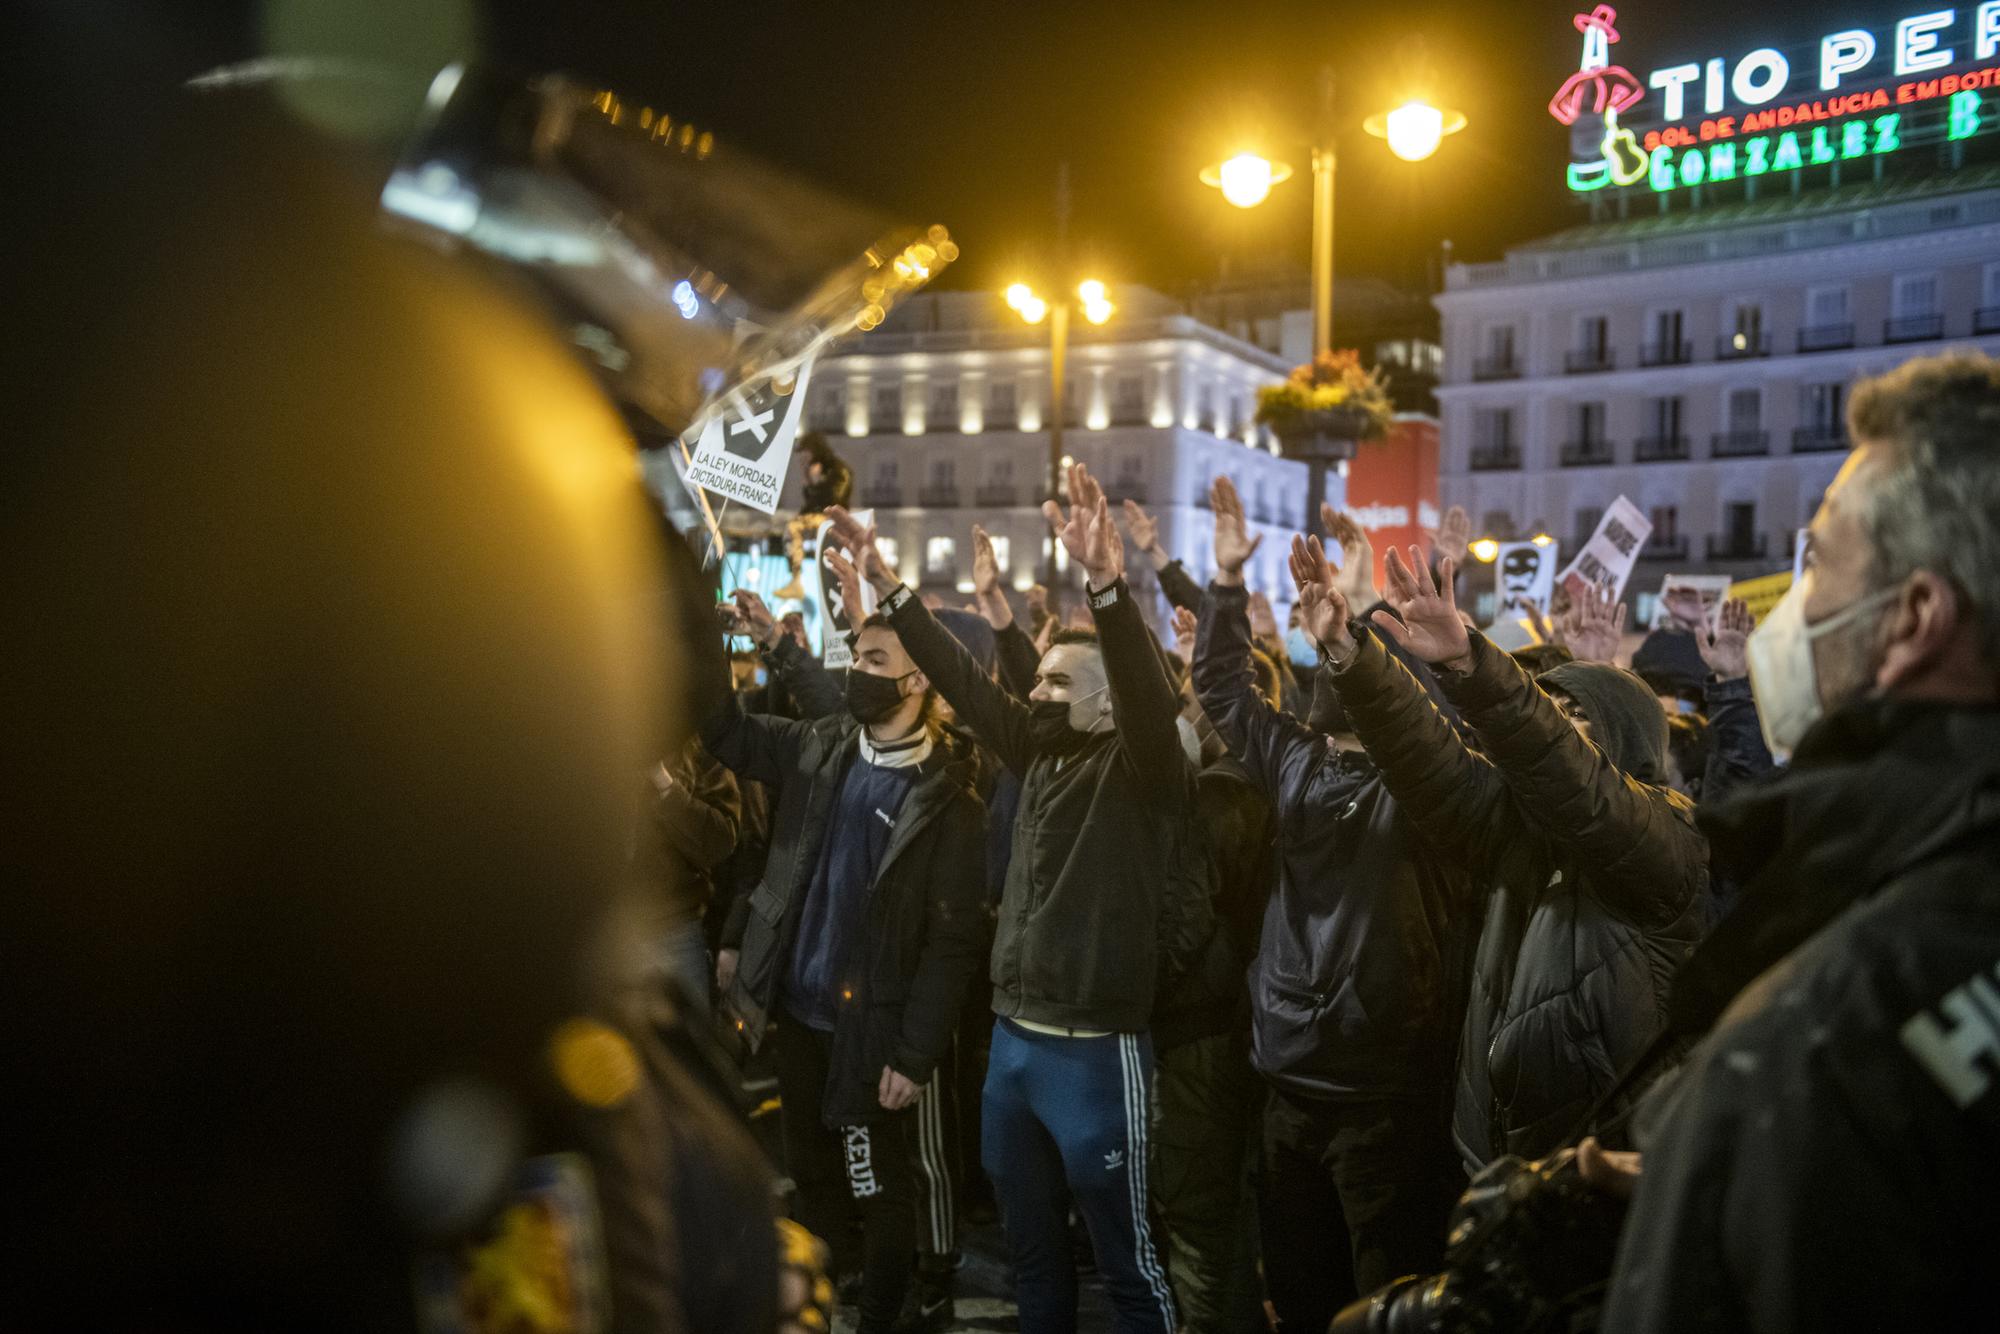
[1666, 523]
[1826, 306]
[1739, 524]
[1131, 470]
[1003, 471]
[1822, 406]
[888, 410]
[1665, 346]
[1745, 409]
[1202, 400]
[1002, 549]
[1493, 428]
[1593, 336]
[885, 472]
[1589, 419]
[1587, 519]
[891, 555]
[1499, 523]
[1000, 401]
[1663, 417]
[829, 409]
[1989, 286]
[944, 473]
[1130, 397]
[1500, 344]
[940, 554]
[944, 402]
[1915, 295]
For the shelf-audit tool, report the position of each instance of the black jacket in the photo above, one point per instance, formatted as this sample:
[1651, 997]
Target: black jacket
[1830, 1156]
[927, 924]
[1592, 875]
[1349, 989]
[1088, 922]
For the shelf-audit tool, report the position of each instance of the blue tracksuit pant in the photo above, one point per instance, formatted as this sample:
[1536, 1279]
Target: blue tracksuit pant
[1065, 1118]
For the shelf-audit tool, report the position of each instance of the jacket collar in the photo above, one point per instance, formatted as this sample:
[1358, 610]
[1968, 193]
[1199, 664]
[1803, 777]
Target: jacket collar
[1873, 790]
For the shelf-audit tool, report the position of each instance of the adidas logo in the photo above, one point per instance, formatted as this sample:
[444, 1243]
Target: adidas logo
[1114, 1160]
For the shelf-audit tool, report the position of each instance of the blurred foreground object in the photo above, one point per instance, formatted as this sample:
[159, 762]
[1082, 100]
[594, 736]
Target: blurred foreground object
[339, 628]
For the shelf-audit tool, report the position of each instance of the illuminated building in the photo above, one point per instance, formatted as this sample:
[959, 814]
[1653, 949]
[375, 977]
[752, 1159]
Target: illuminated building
[941, 414]
[1758, 242]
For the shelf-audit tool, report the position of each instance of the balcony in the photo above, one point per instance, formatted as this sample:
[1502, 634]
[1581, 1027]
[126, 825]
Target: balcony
[1986, 320]
[1739, 444]
[1826, 337]
[996, 496]
[1585, 360]
[1912, 328]
[1666, 354]
[1587, 454]
[882, 495]
[1665, 548]
[1495, 458]
[1737, 546]
[1496, 368]
[1819, 439]
[1737, 347]
[1660, 449]
[938, 497]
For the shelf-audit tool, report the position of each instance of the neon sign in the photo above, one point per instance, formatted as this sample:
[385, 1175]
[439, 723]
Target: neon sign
[1742, 130]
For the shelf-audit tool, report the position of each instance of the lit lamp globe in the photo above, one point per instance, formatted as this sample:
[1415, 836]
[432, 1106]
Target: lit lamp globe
[1415, 129]
[1246, 180]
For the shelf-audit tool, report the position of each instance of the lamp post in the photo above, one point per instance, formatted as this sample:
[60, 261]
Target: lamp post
[1095, 299]
[1413, 130]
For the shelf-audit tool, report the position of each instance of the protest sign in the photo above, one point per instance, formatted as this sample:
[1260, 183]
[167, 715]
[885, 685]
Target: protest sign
[1605, 563]
[837, 619]
[1523, 573]
[1689, 601]
[745, 448]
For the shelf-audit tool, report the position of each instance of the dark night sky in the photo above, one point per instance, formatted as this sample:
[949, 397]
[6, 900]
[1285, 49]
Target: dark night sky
[960, 112]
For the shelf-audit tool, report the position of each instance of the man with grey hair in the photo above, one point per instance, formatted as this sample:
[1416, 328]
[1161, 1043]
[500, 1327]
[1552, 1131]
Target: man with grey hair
[1829, 1156]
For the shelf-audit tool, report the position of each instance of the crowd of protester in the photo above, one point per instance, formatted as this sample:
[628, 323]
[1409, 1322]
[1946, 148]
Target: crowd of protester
[1316, 968]
[1289, 936]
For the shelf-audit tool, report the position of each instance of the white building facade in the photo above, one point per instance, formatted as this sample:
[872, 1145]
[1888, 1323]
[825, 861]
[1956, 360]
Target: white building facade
[943, 414]
[1699, 363]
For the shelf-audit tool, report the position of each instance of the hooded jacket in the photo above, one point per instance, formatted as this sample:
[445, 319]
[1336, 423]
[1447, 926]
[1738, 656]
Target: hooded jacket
[1592, 875]
[1829, 1156]
[1349, 989]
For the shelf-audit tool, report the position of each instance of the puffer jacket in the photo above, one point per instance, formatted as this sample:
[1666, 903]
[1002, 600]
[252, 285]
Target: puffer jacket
[1593, 875]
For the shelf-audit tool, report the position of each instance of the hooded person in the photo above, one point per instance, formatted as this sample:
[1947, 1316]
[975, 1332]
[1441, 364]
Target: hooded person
[1828, 1155]
[1591, 873]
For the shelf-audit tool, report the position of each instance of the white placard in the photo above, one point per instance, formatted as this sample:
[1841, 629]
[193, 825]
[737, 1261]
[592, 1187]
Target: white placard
[746, 446]
[1710, 588]
[1523, 574]
[837, 619]
[1605, 563]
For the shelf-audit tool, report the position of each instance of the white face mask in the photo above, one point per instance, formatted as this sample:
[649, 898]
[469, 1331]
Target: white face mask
[1782, 676]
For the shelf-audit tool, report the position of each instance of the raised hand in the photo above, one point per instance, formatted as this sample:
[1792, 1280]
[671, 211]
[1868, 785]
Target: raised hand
[1430, 628]
[1724, 648]
[1087, 532]
[1233, 544]
[1185, 627]
[859, 538]
[985, 565]
[1323, 608]
[1453, 536]
[755, 617]
[848, 580]
[1263, 621]
[1143, 527]
[1591, 627]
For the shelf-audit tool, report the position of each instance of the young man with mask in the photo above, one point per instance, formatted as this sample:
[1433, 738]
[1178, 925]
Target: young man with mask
[1829, 1156]
[1086, 921]
[1355, 990]
[859, 945]
[1590, 870]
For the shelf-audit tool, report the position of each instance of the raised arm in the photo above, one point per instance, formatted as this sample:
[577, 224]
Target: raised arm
[995, 717]
[1144, 704]
[1017, 658]
[1736, 750]
[1455, 796]
[1175, 582]
[754, 745]
[814, 690]
[1646, 856]
[1274, 747]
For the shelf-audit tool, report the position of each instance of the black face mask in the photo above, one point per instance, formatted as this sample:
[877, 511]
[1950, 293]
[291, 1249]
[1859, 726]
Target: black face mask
[1048, 724]
[872, 698]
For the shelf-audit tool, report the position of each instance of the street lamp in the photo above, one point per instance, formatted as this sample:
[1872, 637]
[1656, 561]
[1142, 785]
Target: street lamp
[1414, 130]
[1095, 300]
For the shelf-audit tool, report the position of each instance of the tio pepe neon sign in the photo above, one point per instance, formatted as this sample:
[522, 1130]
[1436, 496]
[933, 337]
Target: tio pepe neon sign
[1724, 146]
